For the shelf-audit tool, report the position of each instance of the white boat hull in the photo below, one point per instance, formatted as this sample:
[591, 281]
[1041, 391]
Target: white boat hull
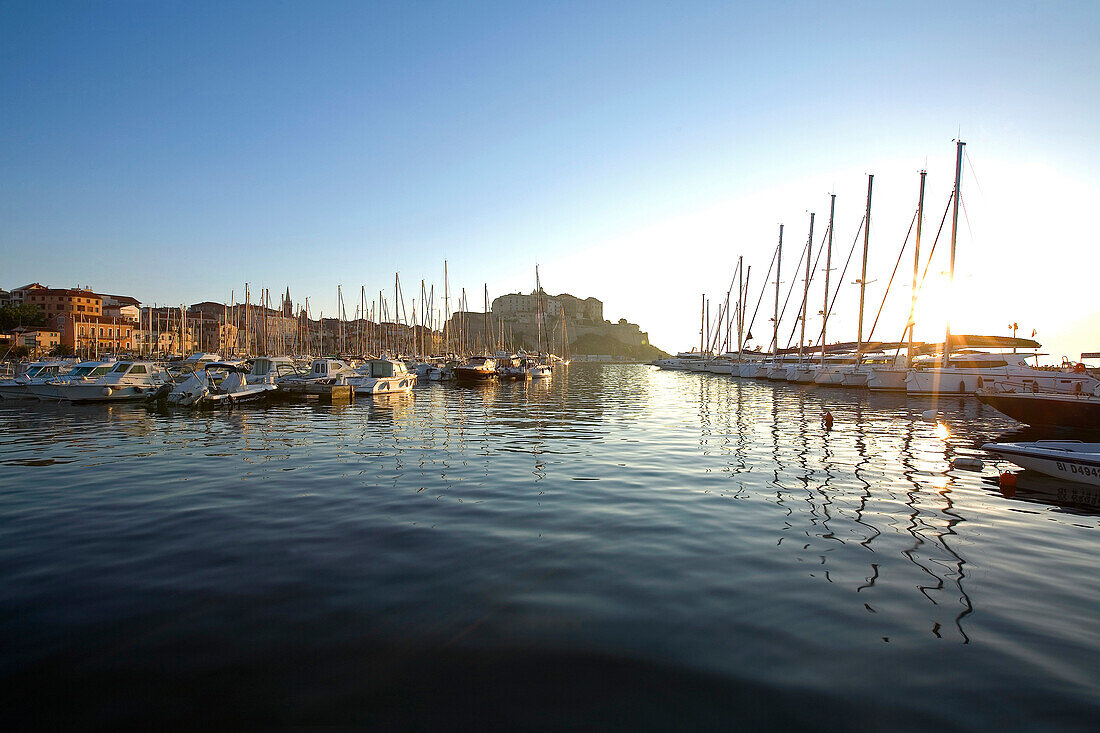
[887, 380]
[1070, 460]
[829, 377]
[383, 385]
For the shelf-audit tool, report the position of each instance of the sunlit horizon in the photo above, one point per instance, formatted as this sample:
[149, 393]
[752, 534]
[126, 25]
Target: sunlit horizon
[633, 167]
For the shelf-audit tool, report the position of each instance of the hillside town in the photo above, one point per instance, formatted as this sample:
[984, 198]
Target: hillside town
[38, 320]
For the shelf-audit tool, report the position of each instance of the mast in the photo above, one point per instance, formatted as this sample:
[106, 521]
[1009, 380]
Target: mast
[954, 231]
[741, 334]
[538, 310]
[916, 268]
[863, 277]
[702, 322]
[740, 299]
[828, 266]
[488, 324]
[806, 290]
[778, 269]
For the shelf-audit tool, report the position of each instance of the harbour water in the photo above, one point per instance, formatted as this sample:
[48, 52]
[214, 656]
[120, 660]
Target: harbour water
[619, 547]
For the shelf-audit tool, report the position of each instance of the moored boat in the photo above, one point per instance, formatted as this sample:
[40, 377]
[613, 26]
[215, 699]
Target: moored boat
[219, 384]
[381, 376]
[127, 381]
[476, 369]
[1045, 408]
[1067, 459]
[35, 373]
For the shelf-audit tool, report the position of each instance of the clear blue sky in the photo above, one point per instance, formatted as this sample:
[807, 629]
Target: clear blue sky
[175, 150]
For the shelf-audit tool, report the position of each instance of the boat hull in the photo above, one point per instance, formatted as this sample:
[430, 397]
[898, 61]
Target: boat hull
[383, 385]
[1046, 409]
[16, 392]
[887, 380]
[474, 376]
[105, 393]
[1048, 458]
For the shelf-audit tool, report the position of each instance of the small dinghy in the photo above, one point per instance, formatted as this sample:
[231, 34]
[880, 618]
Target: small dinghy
[1072, 460]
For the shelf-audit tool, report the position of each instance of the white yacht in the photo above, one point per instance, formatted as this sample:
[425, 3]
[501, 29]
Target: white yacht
[127, 380]
[381, 376]
[680, 362]
[82, 373]
[831, 373]
[803, 372]
[37, 372]
[968, 371]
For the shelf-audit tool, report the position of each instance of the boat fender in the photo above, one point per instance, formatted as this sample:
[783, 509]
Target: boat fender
[1007, 483]
[968, 464]
[1079, 368]
[828, 420]
[928, 416]
[107, 391]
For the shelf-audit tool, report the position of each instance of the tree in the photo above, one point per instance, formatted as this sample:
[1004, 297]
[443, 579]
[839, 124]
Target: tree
[26, 315]
[17, 352]
[61, 350]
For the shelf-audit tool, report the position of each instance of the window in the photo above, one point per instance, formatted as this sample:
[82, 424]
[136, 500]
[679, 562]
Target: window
[101, 331]
[80, 308]
[82, 332]
[110, 333]
[138, 369]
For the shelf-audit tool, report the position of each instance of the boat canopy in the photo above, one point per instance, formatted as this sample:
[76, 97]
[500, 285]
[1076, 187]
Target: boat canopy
[962, 341]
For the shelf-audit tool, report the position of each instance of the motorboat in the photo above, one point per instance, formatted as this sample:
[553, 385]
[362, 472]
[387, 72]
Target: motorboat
[724, 364]
[1035, 407]
[477, 369]
[681, 362]
[35, 373]
[127, 381]
[272, 369]
[512, 367]
[195, 361]
[1072, 460]
[381, 376]
[219, 384]
[537, 369]
[325, 370]
[968, 371]
[82, 373]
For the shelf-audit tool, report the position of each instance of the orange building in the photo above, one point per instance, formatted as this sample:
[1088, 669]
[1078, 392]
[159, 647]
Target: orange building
[65, 301]
[78, 316]
[98, 334]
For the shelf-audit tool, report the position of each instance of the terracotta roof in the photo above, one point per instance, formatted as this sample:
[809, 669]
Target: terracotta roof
[124, 299]
[75, 292]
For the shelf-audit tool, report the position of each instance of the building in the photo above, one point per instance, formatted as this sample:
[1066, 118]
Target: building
[39, 341]
[98, 334]
[63, 301]
[122, 306]
[19, 295]
[514, 318]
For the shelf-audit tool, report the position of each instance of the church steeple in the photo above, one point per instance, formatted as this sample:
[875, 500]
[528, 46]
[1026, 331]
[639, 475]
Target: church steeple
[288, 305]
